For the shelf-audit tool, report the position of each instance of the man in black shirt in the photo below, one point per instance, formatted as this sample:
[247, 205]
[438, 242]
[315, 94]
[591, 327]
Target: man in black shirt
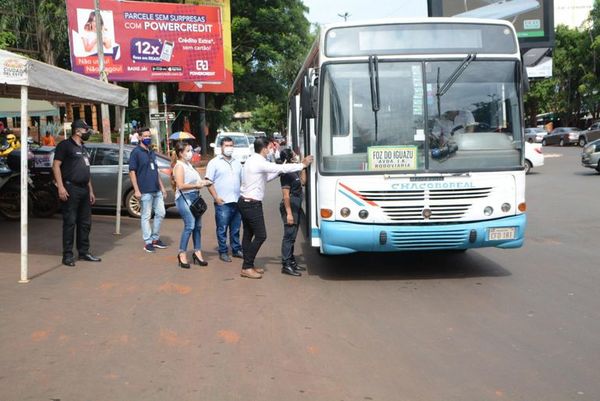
[71, 168]
[290, 209]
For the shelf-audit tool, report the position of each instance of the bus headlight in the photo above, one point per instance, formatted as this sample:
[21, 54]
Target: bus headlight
[363, 214]
[345, 212]
[488, 210]
[505, 207]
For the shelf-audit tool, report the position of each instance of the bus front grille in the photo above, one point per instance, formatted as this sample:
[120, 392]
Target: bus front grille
[420, 240]
[415, 213]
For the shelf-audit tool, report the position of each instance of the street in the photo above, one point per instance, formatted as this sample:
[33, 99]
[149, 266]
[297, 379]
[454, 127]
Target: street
[486, 324]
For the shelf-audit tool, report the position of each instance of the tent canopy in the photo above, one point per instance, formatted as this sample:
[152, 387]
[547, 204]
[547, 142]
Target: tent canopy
[47, 82]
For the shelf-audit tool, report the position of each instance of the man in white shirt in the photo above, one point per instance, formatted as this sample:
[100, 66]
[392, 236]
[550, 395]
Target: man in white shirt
[257, 171]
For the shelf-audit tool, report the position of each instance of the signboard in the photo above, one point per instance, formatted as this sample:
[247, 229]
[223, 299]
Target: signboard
[152, 42]
[533, 19]
[161, 116]
[392, 158]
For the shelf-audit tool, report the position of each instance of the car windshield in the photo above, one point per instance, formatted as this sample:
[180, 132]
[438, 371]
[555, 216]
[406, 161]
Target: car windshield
[404, 122]
[239, 141]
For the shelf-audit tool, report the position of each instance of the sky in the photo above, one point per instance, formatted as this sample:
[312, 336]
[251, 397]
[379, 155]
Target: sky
[326, 11]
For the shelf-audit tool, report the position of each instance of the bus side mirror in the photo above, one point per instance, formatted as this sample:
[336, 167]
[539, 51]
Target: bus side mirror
[309, 101]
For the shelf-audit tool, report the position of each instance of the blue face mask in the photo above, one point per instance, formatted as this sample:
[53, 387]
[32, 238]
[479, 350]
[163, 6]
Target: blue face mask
[147, 141]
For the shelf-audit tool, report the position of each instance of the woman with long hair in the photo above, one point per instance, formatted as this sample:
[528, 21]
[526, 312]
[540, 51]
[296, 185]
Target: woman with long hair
[89, 37]
[187, 183]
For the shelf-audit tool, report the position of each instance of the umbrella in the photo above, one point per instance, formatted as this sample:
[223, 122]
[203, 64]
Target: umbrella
[181, 135]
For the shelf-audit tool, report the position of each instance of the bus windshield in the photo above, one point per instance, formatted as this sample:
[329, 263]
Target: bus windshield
[471, 125]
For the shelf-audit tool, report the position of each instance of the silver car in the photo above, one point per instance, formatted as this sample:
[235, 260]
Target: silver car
[104, 166]
[590, 157]
[534, 134]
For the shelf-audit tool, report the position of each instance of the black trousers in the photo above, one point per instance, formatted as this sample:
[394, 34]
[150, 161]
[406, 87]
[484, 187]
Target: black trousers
[290, 231]
[255, 232]
[77, 215]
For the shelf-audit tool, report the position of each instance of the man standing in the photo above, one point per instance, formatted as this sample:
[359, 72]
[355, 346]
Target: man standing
[148, 187]
[257, 172]
[226, 174]
[71, 168]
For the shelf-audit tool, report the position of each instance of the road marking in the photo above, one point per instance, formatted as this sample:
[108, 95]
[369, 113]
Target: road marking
[552, 155]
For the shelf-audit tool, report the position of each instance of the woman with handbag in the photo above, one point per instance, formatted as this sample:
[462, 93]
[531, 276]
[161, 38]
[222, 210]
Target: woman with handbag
[189, 202]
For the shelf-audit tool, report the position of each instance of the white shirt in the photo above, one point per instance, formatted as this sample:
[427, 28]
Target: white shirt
[190, 176]
[257, 171]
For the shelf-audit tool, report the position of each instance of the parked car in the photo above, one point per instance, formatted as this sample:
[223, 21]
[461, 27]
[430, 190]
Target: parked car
[241, 145]
[535, 134]
[590, 157]
[104, 165]
[562, 136]
[590, 134]
[534, 156]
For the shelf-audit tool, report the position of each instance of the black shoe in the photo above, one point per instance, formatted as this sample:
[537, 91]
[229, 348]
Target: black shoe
[90, 258]
[287, 269]
[181, 264]
[68, 262]
[196, 259]
[224, 257]
[238, 254]
[297, 267]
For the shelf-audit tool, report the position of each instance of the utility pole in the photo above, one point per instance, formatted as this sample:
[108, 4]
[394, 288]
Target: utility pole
[102, 72]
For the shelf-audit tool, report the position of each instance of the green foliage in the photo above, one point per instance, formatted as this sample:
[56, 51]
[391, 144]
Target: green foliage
[574, 89]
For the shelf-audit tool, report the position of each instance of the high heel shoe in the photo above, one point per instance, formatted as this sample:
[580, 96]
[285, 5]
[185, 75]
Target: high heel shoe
[181, 264]
[196, 259]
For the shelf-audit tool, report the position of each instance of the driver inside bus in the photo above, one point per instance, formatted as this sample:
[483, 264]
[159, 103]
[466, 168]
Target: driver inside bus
[453, 121]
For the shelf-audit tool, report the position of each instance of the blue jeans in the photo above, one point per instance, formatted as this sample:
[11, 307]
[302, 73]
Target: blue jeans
[228, 215]
[191, 225]
[152, 202]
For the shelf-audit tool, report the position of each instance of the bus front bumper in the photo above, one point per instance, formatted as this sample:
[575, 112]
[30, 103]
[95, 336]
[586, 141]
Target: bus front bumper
[339, 237]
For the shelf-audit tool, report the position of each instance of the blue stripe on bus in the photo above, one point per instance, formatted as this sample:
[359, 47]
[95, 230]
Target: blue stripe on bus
[340, 237]
[351, 198]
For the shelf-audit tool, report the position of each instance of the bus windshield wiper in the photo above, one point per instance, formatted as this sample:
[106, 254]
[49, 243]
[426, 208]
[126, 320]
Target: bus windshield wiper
[455, 75]
[374, 80]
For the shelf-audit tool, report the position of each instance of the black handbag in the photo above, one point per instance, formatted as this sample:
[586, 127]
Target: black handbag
[197, 207]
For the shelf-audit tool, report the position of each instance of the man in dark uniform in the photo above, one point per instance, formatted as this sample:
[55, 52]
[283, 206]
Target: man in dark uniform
[71, 168]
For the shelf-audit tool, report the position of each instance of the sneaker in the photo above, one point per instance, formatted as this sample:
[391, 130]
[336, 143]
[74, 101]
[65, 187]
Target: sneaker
[149, 248]
[224, 257]
[157, 243]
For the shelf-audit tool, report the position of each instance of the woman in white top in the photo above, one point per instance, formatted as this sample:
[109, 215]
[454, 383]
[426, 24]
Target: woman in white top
[187, 184]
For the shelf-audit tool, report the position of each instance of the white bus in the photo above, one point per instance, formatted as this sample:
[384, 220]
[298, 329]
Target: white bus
[416, 128]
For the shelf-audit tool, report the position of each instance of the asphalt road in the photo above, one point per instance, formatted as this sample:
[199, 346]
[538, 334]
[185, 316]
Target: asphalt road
[487, 324]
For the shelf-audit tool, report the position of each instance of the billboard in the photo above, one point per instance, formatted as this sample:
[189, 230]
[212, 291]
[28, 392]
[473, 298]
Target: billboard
[533, 19]
[153, 42]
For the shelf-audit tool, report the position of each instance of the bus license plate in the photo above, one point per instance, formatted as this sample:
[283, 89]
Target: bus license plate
[496, 234]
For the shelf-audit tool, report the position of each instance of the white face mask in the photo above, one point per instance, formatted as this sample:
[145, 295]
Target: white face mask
[228, 151]
[188, 155]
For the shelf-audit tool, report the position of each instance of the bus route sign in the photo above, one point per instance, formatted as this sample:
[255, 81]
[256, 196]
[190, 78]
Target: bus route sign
[392, 158]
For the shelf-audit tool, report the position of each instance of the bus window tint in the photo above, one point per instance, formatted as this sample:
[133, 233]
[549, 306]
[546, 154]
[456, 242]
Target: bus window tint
[475, 123]
[349, 126]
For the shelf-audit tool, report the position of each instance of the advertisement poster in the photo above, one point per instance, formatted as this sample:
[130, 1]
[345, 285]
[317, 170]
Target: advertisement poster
[532, 19]
[152, 42]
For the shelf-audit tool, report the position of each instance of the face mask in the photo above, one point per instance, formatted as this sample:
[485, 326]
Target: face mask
[147, 141]
[86, 135]
[228, 151]
[188, 155]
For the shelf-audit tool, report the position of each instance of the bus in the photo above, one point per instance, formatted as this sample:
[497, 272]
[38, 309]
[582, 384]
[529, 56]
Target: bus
[416, 128]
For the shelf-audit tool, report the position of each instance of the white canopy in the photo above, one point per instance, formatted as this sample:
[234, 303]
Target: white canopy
[47, 82]
[24, 78]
